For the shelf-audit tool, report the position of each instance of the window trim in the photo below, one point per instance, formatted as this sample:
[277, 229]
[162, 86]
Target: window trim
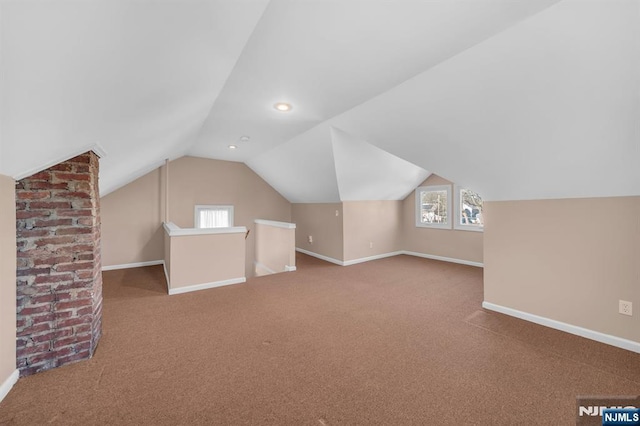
[198, 207]
[418, 193]
[458, 209]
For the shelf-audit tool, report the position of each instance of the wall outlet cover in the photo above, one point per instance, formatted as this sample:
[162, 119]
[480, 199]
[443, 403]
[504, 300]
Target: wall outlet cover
[625, 307]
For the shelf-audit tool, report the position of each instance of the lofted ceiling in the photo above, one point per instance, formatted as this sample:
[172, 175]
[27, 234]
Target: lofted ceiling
[516, 99]
[329, 165]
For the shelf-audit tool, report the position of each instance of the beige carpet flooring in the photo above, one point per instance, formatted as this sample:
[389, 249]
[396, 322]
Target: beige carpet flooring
[398, 341]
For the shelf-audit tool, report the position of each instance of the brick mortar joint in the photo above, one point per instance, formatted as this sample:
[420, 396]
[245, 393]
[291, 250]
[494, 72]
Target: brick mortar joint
[67, 192]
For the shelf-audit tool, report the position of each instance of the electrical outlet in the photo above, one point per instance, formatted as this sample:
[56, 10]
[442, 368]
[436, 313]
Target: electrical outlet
[337, 213]
[310, 239]
[370, 244]
[625, 307]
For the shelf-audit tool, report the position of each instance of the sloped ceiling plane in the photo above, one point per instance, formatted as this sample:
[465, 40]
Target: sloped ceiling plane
[516, 99]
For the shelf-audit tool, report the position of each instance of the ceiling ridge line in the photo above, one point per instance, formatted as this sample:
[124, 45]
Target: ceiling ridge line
[328, 121]
[447, 59]
[196, 137]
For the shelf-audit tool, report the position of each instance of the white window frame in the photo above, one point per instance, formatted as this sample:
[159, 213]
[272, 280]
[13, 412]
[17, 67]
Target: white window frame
[458, 212]
[418, 196]
[199, 207]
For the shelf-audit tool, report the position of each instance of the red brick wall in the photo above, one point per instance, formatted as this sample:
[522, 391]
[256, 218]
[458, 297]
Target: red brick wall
[59, 279]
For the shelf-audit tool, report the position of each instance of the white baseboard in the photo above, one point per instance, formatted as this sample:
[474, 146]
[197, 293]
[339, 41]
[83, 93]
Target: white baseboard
[133, 265]
[320, 256]
[8, 384]
[370, 258]
[608, 339]
[442, 258]
[205, 286]
[394, 253]
[316, 255]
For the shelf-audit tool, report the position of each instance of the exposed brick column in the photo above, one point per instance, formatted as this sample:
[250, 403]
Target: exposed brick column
[59, 294]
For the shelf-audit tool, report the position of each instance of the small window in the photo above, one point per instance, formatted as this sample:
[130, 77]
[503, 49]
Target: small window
[213, 216]
[468, 210]
[433, 204]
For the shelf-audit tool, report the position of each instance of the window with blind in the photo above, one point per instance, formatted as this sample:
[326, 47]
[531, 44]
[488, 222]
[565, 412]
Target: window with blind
[213, 216]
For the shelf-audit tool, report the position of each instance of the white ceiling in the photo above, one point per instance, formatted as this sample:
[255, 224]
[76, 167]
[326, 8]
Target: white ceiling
[366, 172]
[137, 77]
[547, 109]
[517, 99]
[328, 165]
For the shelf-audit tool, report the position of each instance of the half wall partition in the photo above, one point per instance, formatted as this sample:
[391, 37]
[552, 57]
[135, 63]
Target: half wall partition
[197, 259]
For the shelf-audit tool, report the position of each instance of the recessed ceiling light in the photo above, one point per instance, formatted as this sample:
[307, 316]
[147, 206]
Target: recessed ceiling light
[283, 107]
[232, 147]
[244, 138]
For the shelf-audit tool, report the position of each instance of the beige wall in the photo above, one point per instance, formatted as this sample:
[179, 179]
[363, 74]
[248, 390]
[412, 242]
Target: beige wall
[201, 181]
[202, 259]
[132, 216]
[275, 248]
[7, 278]
[569, 260]
[464, 245]
[320, 221]
[371, 228]
[132, 221]
[389, 225]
